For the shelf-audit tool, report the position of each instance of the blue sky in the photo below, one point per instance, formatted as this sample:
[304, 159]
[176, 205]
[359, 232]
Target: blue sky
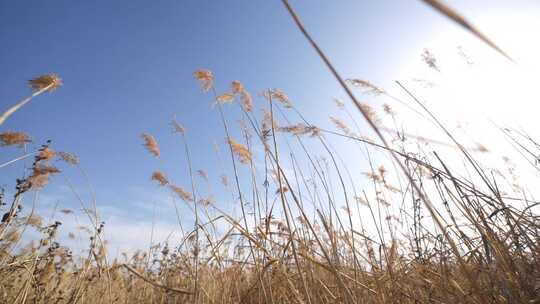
[127, 68]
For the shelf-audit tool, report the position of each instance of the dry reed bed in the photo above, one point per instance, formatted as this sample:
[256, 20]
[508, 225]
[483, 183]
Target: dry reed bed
[309, 230]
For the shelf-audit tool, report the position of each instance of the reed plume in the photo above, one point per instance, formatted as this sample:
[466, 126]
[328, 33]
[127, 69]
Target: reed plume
[182, 193]
[205, 78]
[41, 84]
[150, 144]
[14, 139]
[241, 151]
[160, 178]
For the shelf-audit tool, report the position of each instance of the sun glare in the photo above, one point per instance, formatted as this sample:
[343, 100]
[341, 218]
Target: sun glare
[471, 86]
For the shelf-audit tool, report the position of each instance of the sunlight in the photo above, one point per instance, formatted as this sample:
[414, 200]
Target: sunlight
[473, 81]
[472, 88]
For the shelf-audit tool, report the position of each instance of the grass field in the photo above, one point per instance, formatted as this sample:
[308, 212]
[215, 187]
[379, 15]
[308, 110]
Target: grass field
[309, 229]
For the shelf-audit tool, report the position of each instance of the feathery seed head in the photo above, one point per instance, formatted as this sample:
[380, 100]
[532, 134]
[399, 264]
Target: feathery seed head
[182, 193]
[225, 98]
[159, 177]
[224, 180]
[40, 175]
[388, 109]
[49, 82]
[247, 101]
[237, 87]
[370, 113]
[241, 151]
[40, 169]
[341, 125]
[206, 201]
[177, 128]
[12, 236]
[282, 190]
[151, 144]
[34, 220]
[206, 79]
[367, 86]
[430, 60]
[361, 200]
[278, 95]
[13, 139]
[301, 129]
[339, 103]
[267, 124]
[38, 181]
[68, 157]
[46, 154]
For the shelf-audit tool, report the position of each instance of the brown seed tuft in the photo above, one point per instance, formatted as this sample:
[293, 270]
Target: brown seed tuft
[159, 177]
[241, 151]
[48, 82]
[225, 180]
[341, 125]
[46, 154]
[38, 181]
[34, 220]
[151, 144]
[206, 201]
[370, 113]
[367, 86]
[301, 129]
[278, 95]
[206, 79]
[237, 87]
[40, 169]
[182, 193]
[40, 175]
[13, 139]
[225, 98]
[247, 101]
[267, 124]
[430, 60]
[361, 200]
[68, 157]
[282, 190]
[177, 128]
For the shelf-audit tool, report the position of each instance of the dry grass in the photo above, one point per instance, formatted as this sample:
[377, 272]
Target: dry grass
[290, 254]
[150, 144]
[312, 228]
[14, 139]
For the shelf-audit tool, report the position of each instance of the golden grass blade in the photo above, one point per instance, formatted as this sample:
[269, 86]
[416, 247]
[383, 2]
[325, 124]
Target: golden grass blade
[456, 17]
[17, 106]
